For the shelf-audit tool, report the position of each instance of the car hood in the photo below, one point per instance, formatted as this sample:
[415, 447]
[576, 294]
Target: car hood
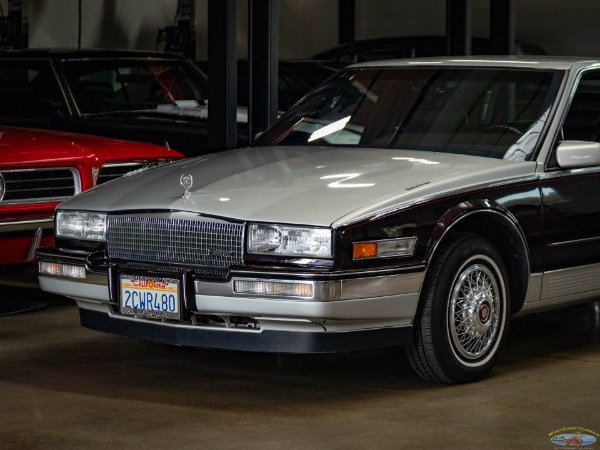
[308, 185]
[28, 147]
[25, 146]
[106, 148]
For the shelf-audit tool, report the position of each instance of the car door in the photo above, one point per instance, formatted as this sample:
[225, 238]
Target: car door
[571, 203]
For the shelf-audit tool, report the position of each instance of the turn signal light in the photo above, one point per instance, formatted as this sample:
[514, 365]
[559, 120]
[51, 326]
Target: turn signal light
[385, 248]
[364, 250]
[61, 270]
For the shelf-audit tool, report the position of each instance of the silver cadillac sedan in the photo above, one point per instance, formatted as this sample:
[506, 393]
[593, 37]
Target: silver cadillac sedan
[421, 203]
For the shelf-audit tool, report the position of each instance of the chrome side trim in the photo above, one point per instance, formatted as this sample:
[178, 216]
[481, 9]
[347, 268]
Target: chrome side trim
[574, 241]
[564, 282]
[34, 244]
[534, 288]
[46, 223]
[562, 288]
[555, 303]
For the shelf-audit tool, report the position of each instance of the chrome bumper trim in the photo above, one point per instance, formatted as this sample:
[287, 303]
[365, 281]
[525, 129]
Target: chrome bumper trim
[46, 223]
[353, 299]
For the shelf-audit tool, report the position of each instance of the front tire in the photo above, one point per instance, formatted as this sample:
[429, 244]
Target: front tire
[463, 316]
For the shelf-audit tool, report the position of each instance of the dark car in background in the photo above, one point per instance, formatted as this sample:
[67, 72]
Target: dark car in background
[408, 47]
[135, 95]
[295, 79]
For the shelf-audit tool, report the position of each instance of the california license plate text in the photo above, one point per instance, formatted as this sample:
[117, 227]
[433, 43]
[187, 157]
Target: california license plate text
[150, 297]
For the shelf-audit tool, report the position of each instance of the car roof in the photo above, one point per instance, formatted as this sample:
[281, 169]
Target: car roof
[381, 43]
[67, 53]
[392, 43]
[523, 61]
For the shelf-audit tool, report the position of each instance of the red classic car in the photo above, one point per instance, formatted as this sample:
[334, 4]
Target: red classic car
[40, 168]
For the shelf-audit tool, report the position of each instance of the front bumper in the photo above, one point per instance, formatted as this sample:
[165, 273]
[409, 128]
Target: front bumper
[349, 310]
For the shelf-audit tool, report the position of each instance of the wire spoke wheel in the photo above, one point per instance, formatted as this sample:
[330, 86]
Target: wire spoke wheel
[463, 315]
[473, 313]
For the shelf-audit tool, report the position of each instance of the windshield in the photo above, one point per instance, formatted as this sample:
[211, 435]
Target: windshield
[29, 92]
[496, 113]
[110, 85]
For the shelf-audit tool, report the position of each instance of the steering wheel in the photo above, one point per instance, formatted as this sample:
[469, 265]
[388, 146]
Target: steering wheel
[501, 126]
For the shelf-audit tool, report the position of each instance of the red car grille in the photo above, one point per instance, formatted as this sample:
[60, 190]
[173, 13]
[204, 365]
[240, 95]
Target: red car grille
[35, 185]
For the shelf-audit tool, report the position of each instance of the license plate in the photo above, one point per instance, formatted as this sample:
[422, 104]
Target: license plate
[151, 297]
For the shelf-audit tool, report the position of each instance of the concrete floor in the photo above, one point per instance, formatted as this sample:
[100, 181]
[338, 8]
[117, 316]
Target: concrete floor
[66, 387]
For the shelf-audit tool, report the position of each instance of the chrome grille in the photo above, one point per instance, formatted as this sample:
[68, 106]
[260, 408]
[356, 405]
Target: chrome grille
[174, 241]
[112, 171]
[35, 185]
[215, 273]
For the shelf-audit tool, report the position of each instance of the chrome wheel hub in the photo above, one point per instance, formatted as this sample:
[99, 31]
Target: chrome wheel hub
[474, 311]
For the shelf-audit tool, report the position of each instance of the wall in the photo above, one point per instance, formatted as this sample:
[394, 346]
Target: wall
[381, 18]
[308, 26]
[305, 24]
[106, 23]
[562, 27]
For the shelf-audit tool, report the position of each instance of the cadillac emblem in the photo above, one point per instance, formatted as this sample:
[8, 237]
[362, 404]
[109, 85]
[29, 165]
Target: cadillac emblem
[186, 181]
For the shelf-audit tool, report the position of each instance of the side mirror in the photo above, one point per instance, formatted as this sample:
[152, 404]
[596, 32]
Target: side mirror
[576, 154]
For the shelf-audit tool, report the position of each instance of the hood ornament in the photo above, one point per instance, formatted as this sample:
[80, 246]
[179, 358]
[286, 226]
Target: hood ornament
[187, 182]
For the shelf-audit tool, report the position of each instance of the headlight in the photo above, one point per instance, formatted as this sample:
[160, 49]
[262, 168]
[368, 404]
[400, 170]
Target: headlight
[81, 225]
[276, 239]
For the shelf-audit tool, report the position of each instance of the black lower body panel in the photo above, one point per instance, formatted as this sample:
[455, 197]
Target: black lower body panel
[265, 341]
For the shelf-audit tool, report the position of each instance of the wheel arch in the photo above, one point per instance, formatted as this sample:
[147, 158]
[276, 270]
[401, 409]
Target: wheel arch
[495, 223]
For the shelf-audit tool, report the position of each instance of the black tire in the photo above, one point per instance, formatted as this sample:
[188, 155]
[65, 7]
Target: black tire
[464, 312]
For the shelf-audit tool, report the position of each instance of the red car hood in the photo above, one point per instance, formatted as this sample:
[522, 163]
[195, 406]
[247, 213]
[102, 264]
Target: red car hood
[21, 147]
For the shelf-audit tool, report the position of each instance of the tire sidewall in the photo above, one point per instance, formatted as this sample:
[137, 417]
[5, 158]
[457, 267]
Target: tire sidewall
[463, 254]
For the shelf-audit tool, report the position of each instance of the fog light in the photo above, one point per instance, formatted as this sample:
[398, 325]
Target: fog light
[273, 288]
[61, 270]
